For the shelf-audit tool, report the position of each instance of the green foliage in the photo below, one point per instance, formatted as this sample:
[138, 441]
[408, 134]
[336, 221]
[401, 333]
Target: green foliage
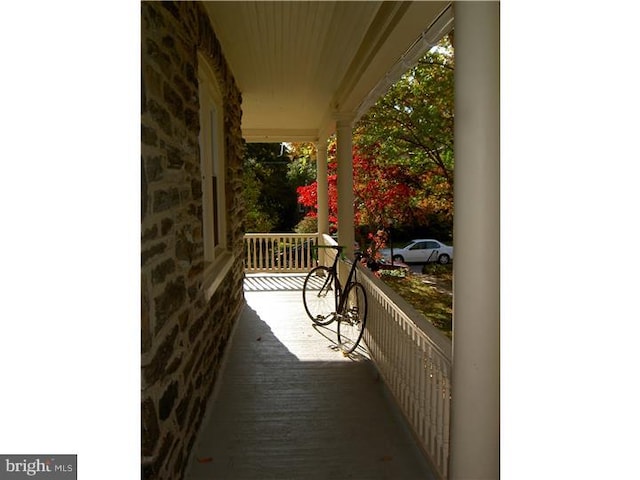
[256, 219]
[403, 161]
[434, 303]
[271, 177]
[411, 127]
[307, 225]
[302, 168]
[444, 272]
[396, 272]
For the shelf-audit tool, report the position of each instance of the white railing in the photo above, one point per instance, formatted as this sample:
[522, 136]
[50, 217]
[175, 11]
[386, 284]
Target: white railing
[412, 356]
[414, 359]
[279, 252]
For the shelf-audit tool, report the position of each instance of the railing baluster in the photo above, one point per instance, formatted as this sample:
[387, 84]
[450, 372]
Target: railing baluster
[273, 242]
[296, 253]
[414, 359]
[277, 252]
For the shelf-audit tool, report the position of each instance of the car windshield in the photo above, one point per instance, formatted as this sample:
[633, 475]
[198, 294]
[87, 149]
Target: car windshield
[407, 245]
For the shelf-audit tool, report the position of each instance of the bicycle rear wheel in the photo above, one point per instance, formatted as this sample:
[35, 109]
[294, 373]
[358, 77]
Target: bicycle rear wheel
[353, 319]
[319, 295]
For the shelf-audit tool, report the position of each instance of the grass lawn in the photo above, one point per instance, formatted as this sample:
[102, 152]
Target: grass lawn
[429, 293]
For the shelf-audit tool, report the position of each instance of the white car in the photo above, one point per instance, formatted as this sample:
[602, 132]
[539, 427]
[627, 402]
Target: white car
[422, 250]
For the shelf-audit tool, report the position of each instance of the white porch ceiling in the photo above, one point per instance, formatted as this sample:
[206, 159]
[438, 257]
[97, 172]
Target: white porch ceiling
[301, 65]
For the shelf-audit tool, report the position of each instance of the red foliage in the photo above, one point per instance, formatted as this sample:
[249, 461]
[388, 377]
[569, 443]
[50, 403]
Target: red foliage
[308, 196]
[381, 193]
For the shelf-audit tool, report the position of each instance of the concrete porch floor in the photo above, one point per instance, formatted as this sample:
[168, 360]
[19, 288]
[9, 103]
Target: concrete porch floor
[289, 405]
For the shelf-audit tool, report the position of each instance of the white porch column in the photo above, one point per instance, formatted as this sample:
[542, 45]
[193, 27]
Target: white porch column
[475, 412]
[323, 188]
[346, 234]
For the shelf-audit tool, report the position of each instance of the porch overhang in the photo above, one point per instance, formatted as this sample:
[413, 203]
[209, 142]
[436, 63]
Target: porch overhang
[302, 65]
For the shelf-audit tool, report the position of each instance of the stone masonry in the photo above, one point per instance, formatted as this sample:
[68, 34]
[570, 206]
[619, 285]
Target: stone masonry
[183, 334]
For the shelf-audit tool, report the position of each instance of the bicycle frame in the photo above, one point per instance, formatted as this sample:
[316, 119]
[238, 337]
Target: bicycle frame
[334, 273]
[350, 313]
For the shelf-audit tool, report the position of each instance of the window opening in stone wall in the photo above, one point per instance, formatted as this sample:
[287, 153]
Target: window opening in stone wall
[214, 178]
[211, 163]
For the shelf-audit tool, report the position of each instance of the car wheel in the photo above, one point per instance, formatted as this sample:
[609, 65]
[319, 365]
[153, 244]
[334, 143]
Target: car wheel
[398, 258]
[443, 259]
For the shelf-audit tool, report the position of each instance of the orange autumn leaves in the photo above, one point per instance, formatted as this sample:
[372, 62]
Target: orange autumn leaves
[384, 194]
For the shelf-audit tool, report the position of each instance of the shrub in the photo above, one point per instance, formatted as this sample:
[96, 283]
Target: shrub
[307, 225]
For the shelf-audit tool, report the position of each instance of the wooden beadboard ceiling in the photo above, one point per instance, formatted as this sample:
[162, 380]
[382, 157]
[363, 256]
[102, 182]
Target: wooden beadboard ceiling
[299, 65]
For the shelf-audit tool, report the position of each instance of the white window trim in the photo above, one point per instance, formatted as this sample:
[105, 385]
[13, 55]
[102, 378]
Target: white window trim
[217, 258]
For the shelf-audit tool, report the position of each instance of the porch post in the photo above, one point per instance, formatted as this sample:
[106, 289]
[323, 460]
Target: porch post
[323, 187]
[475, 408]
[346, 234]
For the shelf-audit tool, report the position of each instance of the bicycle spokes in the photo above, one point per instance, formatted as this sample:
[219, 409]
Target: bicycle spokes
[324, 292]
[320, 297]
[325, 301]
[351, 322]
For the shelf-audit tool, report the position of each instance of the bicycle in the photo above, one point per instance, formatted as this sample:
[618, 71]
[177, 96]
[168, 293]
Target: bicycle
[325, 301]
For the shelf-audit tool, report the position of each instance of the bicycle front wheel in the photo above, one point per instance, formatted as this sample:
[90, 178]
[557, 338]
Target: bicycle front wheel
[353, 319]
[319, 295]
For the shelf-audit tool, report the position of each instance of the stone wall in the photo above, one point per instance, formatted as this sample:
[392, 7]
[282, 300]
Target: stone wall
[183, 334]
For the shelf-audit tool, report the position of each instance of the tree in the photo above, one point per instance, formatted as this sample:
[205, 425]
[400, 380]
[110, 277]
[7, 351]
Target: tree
[256, 220]
[272, 171]
[302, 168]
[380, 191]
[403, 153]
[308, 194]
[411, 127]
